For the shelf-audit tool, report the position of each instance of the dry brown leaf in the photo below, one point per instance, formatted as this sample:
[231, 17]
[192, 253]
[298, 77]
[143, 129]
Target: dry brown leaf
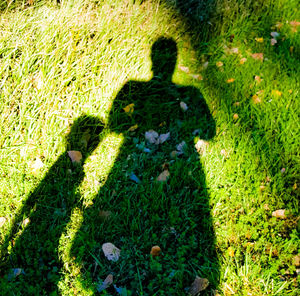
[129, 109]
[106, 283]
[256, 99]
[75, 156]
[296, 260]
[155, 251]
[219, 64]
[235, 116]
[199, 284]
[163, 138]
[184, 69]
[111, 252]
[281, 214]
[273, 41]
[257, 79]
[183, 106]
[258, 56]
[25, 222]
[163, 176]
[151, 136]
[201, 146]
[230, 80]
[197, 77]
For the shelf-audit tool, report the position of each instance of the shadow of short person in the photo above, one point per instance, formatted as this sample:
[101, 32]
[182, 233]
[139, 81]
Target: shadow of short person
[142, 211]
[48, 209]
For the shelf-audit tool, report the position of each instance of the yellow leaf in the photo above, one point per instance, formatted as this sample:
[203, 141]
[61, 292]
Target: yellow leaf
[129, 109]
[133, 128]
[199, 284]
[276, 92]
[75, 156]
[230, 252]
[230, 80]
[260, 39]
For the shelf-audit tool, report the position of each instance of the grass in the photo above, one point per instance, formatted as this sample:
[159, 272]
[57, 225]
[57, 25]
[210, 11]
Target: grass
[66, 73]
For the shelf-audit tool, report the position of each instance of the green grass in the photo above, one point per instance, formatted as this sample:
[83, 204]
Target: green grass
[78, 64]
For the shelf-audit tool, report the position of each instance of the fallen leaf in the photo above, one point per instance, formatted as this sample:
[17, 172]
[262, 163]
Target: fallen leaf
[243, 60]
[278, 25]
[201, 146]
[183, 106]
[205, 65]
[163, 176]
[198, 285]
[279, 214]
[236, 104]
[75, 156]
[230, 80]
[235, 50]
[259, 39]
[184, 69]
[275, 34]
[163, 138]
[155, 251]
[273, 41]
[294, 25]
[36, 165]
[129, 109]
[106, 283]
[257, 79]
[256, 99]
[223, 152]
[133, 128]
[230, 252]
[111, 252]
[197, 77]
[282, 170]
[2, 221]
[296, 260]
[25, 222]
[276, 92]
[258, 56]
[235, 116]
[181, 147]
[219, 64]
[151, 136]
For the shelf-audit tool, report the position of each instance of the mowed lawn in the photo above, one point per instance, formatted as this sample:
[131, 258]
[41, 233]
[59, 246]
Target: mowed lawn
[168, 129]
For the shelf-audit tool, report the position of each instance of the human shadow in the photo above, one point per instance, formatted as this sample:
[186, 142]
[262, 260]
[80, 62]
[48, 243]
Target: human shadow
[135, 211]
[32, 264]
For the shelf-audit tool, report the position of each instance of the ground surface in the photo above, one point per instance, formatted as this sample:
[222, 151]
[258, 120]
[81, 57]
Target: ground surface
[218, 81]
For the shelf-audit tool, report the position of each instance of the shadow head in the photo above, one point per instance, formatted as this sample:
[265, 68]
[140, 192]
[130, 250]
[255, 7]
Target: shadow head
[164, 57]
[84, 135]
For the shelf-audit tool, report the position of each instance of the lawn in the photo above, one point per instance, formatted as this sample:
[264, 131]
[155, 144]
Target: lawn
[168, 129]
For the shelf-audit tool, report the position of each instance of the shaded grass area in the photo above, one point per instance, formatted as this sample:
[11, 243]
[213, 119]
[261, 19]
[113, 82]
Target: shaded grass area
[213, 218]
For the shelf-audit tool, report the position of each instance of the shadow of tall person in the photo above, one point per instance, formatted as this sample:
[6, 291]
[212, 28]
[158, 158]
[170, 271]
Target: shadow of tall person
[135, 211]
[48, 210]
